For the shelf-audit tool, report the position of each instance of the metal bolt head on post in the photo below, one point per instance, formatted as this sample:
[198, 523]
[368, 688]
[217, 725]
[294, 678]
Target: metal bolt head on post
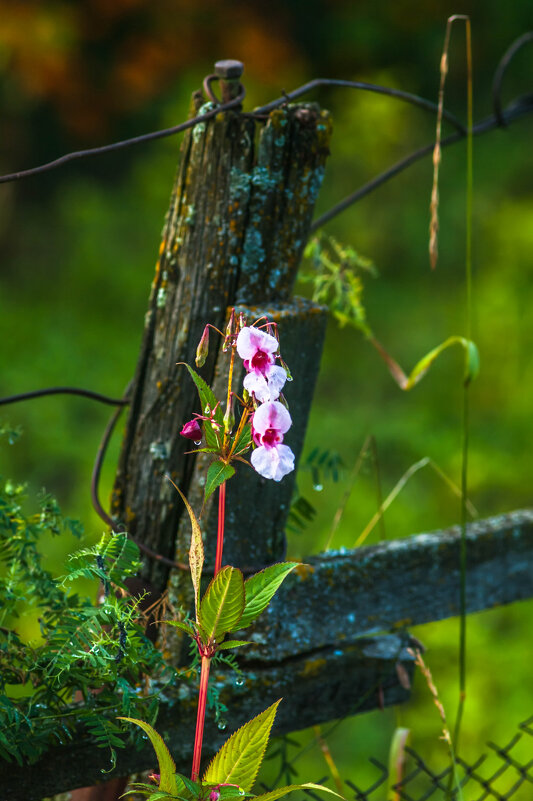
[229, 73]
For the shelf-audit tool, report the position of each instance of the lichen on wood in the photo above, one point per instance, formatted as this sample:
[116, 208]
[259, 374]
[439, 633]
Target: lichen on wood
[235, 230]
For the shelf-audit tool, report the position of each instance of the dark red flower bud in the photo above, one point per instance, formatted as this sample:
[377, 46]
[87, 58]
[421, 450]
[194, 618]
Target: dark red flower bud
[192, 430]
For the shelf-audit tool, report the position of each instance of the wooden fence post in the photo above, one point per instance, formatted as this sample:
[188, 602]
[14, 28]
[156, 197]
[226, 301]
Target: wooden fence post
[238, 221]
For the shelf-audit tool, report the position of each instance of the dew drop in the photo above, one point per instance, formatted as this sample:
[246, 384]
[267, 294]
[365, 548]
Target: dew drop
[318, 487]
[289, 378]
[222, 725]
[239, 681]
[198, 443]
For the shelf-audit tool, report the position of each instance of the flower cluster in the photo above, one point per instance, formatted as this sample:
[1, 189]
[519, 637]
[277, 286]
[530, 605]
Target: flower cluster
[267, 415]
[264, 378]
[271, 420]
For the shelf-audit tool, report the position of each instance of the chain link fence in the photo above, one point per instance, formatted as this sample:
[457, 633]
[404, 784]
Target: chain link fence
[499, 774]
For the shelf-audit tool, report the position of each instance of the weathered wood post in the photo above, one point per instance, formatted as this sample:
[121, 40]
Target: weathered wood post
[238, 221]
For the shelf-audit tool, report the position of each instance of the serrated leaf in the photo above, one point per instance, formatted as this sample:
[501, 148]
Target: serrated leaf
[240, 757]
[233, 644]
[217, 473]
[196, 550]
[223, 603]
[167, 768]
[290, 788]
[260, 589]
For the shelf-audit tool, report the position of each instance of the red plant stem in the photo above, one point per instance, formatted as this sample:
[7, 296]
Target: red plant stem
[220, 529]
[200, 718]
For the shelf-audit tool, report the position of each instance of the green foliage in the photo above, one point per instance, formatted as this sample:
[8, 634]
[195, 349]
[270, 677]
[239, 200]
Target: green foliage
[217, 473]
[336, 279]
[231, 772]
[91, 661]
[240, 757]
[12, 434]
[211, 409]
[223, 603]
[280, 792]
[167, 768]
[260, 589]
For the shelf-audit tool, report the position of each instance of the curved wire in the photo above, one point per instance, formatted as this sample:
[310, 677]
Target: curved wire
[95, 151]
[516, 109]
[114, 525]
[407, 97]
[86, 393]
[369, 87]
[501, 69]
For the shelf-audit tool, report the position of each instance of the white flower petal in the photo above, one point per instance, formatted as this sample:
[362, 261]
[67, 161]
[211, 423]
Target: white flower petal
[276, 377]
[257, 383]
[285, 463]
[272, 415]
[274, 462]
[250, 340]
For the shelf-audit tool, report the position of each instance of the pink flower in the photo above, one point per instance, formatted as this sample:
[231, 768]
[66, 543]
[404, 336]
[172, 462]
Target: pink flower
[271, 459]
[257, 349]
[192, 430]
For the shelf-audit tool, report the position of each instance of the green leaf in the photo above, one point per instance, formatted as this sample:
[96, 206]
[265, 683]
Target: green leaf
[217, 473]
[471, 361]
[196, 550]
[233, 644]
[223, 603]
[183, 626]
[194, 788]
[290, 788]
[167, 768]
[240, 757]
[421, 367]
[244, 441]
[397, 759]
[208, 403]
[260, 589]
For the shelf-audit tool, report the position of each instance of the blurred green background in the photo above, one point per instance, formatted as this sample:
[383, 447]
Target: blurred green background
[79, 246]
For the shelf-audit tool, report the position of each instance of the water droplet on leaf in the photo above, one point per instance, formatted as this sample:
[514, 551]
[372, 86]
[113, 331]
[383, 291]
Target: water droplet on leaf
[318, 487]
[222, 725]
[239, 681]
[198, 443]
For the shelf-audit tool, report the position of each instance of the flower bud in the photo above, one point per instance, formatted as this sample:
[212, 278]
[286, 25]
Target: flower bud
[192, 430]
[228, 339]
[229, 419]
[203, 348]
[214, 795]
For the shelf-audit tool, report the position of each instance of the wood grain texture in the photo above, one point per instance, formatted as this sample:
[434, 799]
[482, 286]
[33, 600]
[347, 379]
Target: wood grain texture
[398, 583]
[238, 220]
